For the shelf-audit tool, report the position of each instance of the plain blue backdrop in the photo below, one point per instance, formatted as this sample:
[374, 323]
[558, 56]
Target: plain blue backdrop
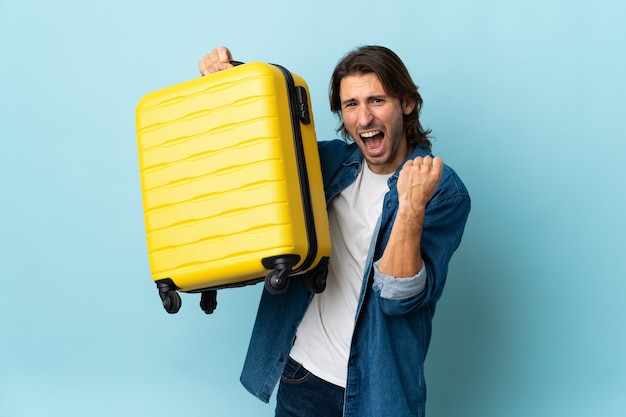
[525, 99]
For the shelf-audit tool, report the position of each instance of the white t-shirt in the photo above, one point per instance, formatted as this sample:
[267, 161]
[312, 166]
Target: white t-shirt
[324, 336]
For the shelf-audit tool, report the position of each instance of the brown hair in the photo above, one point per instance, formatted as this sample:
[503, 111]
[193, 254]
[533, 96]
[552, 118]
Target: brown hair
[396, 81]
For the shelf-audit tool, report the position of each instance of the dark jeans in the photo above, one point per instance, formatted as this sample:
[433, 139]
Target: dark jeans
[302, 394]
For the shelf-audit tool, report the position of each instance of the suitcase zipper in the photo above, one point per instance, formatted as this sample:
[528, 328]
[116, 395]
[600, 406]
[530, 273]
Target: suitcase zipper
[300, 113]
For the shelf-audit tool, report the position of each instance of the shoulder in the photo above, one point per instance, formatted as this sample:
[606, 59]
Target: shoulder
[451, 182]
[335, 153]
[452, 198]
[334, 146]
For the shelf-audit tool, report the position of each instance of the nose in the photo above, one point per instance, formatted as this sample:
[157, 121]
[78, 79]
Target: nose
[364, 118]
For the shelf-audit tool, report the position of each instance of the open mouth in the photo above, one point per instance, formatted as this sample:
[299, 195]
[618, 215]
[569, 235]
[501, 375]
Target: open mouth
[373, 140]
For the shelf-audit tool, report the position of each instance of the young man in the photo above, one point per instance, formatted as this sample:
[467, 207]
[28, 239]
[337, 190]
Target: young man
[396, 216]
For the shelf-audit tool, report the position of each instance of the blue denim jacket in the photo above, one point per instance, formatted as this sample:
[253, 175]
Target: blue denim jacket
[393, 322]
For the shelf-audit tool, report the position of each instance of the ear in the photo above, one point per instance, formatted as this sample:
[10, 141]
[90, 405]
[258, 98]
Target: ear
[408, 105]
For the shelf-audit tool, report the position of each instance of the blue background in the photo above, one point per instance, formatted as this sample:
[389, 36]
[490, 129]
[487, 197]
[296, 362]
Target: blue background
[525, 98]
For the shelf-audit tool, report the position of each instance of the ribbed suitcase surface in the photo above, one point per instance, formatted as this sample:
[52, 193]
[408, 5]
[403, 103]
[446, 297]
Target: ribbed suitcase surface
[220, 179]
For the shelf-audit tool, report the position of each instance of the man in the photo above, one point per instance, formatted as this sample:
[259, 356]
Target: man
[396, 215]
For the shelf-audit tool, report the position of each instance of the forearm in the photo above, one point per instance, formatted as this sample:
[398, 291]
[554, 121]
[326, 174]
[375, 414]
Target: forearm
[417, 182]
[402, 257]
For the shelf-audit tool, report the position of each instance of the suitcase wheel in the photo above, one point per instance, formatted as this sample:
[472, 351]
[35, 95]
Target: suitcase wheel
[171, 302]
[276, 282]
[208, 301]
[169, 296]
[317, 281]
[317, 278]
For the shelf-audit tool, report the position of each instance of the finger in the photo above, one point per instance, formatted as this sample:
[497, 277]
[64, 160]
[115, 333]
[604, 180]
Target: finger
[426, 161]
[223, 54]
[206, 66]
[437, 168]
[222, 66]
[217, 60]
[421, 164]
[201, 66]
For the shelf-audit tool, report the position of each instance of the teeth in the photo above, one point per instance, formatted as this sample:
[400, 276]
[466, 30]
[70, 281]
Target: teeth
[370, 134]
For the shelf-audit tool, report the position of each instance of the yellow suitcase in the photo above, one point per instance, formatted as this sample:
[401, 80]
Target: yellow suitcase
[231, 184]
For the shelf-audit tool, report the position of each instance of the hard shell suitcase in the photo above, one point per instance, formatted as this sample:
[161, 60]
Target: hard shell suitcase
[231, 184]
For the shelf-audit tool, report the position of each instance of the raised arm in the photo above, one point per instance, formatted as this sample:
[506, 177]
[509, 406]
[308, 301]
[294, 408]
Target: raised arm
[417, 183]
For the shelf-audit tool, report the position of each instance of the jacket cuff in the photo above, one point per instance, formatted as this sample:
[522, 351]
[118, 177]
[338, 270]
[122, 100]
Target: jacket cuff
[392, 288]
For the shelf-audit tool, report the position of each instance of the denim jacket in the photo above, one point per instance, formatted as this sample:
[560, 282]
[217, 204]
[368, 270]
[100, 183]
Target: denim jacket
[393, 321]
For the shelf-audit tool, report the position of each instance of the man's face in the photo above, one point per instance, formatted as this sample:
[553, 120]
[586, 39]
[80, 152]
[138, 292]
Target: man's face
[375, 121]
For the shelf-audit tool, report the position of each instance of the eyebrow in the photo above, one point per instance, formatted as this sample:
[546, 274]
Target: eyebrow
[369, 98]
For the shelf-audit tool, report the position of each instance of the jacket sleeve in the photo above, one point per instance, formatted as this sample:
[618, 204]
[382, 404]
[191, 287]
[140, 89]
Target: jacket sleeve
[392, 288]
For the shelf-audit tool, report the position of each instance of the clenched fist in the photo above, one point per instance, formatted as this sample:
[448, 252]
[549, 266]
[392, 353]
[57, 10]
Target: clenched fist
[418, 182]
[217, 60]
